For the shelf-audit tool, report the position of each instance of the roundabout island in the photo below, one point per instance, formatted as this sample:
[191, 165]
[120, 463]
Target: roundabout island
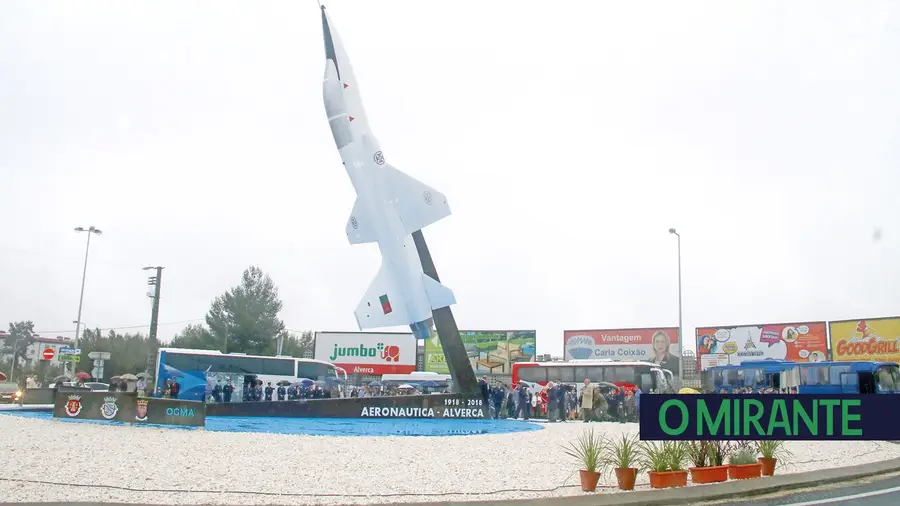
[42, 460]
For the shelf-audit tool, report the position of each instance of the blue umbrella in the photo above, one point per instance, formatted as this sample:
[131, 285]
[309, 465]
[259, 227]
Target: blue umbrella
[430, 384]
[375, 384]
[305, 382]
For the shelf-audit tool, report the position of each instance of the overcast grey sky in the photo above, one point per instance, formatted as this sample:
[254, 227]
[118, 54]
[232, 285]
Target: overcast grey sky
[568, 138]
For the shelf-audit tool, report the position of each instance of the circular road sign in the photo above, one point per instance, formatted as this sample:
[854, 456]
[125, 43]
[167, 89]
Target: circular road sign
[48, 354]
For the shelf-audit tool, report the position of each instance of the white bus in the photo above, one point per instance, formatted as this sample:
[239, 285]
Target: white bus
[627, 375]
[197, 371]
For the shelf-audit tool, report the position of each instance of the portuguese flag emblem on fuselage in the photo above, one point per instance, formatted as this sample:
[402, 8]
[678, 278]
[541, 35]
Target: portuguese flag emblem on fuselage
[385, 304]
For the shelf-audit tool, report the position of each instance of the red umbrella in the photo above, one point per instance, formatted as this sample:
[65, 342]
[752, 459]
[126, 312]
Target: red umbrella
[82, 375]
[2, 377]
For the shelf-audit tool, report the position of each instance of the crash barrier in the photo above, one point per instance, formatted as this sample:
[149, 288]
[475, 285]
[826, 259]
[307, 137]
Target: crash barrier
[46, 395]
[129, 408]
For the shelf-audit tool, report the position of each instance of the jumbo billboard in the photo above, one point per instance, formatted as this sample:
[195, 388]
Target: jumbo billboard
[659, 345]
[798, 342]
[873, 339]
[490, 351]
[373, 353]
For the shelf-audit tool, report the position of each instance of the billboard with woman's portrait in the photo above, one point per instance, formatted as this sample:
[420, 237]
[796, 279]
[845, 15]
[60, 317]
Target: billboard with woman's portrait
[659, 345]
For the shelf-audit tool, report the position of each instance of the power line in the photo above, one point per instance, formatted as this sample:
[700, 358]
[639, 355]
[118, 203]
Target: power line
[123, 327]
[146, 326]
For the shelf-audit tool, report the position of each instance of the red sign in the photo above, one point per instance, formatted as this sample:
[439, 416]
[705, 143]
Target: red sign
[377, 369]
[48, 354]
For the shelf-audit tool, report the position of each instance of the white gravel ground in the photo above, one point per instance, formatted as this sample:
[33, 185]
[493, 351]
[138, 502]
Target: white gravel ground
[163, 466]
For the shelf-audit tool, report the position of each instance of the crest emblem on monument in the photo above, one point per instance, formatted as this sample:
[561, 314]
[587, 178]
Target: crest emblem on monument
[141, 410]
[109, 408]
[73, 405]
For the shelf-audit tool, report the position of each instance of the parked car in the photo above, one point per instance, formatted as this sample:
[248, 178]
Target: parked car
[96, 386]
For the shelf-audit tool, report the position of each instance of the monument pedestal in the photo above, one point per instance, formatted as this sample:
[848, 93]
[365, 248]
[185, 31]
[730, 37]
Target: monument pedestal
[403, 406]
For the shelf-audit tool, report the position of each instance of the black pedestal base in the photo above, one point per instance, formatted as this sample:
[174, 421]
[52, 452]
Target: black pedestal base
[405, 406]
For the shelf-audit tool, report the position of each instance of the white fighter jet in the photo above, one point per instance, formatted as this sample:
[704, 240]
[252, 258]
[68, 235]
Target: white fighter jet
[390, 206]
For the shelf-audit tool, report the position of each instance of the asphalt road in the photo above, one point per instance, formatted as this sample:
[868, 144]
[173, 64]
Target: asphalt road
[885, 492]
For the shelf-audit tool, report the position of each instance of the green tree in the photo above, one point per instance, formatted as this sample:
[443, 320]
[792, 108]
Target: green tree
[128, 352]
[294, 345]
[196, 337]
[245, 318]
[21, 336]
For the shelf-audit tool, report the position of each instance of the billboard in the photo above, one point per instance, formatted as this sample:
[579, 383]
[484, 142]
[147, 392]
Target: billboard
[659, 345]
[874, 339]
[368, 352]
[799, 342]
[490, 351]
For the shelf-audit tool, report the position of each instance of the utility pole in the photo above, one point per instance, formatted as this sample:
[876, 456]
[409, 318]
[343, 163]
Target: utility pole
[155, 281]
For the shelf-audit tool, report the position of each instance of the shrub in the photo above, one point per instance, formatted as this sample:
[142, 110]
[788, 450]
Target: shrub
[742, 457]
[588, 450]
[773, 450]
[654, 456]
[624, 452]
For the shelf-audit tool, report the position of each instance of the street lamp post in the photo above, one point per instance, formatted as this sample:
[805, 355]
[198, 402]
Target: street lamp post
[90, 231]
[680, 326]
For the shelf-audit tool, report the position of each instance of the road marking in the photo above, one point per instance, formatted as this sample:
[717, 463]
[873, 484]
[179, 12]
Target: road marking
[847, 497]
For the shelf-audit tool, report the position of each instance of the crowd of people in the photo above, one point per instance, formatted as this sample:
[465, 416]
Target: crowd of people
[560, 402]
[256, 391]
[763, 390]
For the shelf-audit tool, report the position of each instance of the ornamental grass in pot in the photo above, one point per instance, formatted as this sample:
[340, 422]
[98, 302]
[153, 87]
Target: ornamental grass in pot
[622, 455]
[665, 463]
[770, 453]
[706, 457]
[587, 450]
[743, 464]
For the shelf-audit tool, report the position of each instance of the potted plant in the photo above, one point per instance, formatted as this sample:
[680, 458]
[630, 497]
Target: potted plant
[771, 452]
[708, 466]
[718, 451]
[665, 463]
[743, 464]
[678, 457]
[587, 449]
[622, 456]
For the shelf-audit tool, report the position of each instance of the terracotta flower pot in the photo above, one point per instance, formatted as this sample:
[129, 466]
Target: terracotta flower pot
[626, 477]
[668, 479]
[745, 471]
[589, 480]
[768, 465]
[711, 474]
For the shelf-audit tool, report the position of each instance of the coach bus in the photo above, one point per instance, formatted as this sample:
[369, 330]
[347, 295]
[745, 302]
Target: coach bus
[755, 374]
[197, 371]
[627, 375]
[809, 377]
[849, 378]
